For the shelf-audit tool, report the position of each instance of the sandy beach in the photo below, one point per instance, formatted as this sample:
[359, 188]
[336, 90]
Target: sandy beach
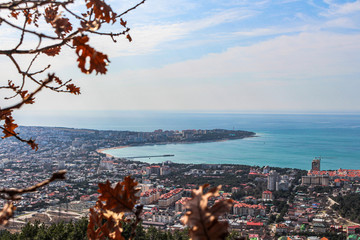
[101, 150]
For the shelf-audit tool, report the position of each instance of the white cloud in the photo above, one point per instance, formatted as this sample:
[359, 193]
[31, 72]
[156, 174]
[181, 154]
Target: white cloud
[342, 9]
[306, 55]
[308, 71]
[149, 38]
[342, 22]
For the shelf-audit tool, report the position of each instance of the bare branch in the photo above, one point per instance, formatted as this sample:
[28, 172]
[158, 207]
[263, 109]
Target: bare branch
[31, 95]
[14, 5]
[14, 192]
[23, 32]
[131, 9]
[28, 31]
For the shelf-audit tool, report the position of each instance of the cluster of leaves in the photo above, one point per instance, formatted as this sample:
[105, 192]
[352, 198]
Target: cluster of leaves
[107, 217]
[203, 221]
[30, 18]
[116, 207]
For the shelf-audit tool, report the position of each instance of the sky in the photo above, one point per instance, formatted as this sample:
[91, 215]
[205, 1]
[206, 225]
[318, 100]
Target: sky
[215, 55]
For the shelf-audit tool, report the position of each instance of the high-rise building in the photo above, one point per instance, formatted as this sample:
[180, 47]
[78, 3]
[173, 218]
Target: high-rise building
[315, 166]
[273, 178]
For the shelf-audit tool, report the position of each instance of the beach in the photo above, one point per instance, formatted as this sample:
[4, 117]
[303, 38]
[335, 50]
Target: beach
[101, 150]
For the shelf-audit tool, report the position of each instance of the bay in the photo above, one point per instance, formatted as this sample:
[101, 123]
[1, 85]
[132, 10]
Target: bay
[283, 140]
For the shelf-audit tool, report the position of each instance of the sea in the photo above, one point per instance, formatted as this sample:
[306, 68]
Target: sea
[282, 140]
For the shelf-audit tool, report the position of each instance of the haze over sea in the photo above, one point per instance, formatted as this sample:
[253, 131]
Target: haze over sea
[284, 140]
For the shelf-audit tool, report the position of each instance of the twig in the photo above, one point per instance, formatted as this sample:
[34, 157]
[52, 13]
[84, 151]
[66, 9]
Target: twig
[14, 192]
[31, 95]
[130, 9]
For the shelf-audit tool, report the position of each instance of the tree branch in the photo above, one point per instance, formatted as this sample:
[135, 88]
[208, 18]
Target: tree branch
[14, 192]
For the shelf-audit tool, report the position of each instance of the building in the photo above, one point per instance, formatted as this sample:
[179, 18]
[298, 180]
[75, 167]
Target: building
[281, 228]
[180, 205]
[165, 170]
[315, 180]
[267, 196]
[355, 229]
[273, 178]
[167, 199]
[150, 196]
[153, 170]
[315, 165]
[243, 209]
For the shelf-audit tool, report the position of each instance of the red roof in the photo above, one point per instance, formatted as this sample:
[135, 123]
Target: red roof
[254, 224]
[354, 227]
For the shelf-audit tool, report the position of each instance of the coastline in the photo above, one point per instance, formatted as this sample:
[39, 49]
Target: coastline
[101, 150]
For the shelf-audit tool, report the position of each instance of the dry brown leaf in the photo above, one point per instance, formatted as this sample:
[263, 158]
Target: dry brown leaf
[93, 230]
[96, 60]
[120, 198]
[101, 10]
[61, 26]
[202, 220]
[129, 37]
[106, 219]
[51, 13]
[73, 89]
[122, 22]
[9, 127]
[52, 51]
[6, 213]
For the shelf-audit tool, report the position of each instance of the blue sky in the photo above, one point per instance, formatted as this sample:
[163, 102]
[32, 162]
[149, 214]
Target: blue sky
[214, 55]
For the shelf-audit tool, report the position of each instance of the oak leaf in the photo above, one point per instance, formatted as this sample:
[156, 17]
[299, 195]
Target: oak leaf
[12, 86]
[129, 37]
[72, 88]
[120, 198]
[202, 220]
[87, 55]
[9, 127]
[90, 25]
[95, 222]
[113, 227]
[52, 51]
[26, 97]
[122, 22]
[14, 14]
[61, 26]
[50, 14]
[101, 10]
[6, 213]
[57, 80]
[32, 144]
[106, 219]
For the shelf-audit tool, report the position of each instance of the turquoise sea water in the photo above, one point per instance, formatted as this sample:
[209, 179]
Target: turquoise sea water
[284, 140]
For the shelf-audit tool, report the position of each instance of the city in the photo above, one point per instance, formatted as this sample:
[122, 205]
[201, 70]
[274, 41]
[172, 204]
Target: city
[268, 202]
